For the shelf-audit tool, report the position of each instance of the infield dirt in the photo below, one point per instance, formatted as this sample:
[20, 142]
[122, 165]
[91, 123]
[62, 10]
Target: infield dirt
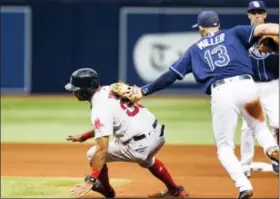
[197, 168]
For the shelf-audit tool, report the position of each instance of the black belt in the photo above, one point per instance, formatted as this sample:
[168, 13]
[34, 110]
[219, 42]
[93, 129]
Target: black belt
[142, 136]
[222, 81]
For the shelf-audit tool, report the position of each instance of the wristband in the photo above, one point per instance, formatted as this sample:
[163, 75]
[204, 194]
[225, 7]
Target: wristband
[95, 173]
[145, 90]
[87, 135]
[90, 178]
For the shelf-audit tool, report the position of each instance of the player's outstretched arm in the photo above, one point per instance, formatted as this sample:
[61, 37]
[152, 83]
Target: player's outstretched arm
[135, 93]
[266, 29]
[177, 70]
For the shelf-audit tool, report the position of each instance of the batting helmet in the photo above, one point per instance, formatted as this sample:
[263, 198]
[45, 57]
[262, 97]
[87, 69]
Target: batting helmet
[83, 83]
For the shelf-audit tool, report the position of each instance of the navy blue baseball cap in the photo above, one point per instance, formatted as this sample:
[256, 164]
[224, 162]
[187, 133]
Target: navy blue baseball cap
[207, 19]
[256, 5]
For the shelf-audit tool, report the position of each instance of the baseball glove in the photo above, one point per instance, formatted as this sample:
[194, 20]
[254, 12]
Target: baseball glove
[125, 91]
[269, 44]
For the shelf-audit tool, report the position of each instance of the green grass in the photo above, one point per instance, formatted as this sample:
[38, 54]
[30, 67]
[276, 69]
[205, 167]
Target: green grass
[51, 119]
[26, 187]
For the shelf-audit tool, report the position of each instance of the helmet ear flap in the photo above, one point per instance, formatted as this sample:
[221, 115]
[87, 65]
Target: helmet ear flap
[83, 94]
[95, 82]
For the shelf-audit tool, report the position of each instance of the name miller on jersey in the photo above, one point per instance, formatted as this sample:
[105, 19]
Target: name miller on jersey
[211, 41]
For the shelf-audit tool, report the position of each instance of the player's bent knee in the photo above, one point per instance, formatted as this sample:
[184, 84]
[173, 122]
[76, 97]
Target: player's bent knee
[224, 152]
[90, 152]
[147, 163]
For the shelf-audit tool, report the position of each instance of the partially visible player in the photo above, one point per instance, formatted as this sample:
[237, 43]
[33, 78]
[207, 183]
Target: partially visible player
[266, 75]
[139, 136]
[220, 63]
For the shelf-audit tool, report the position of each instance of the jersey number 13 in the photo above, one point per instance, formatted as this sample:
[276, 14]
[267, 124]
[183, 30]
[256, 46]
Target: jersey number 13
[217, 57]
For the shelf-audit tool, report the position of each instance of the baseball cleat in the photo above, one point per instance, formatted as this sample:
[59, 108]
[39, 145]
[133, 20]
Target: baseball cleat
[98, 187]
[247, 174]
[179, 192]
[275, 168]
[110, 194]
[245, 194]
[273, 153]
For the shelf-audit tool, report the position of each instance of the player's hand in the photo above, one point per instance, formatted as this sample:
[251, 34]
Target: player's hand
[82, 189]
[75, 138]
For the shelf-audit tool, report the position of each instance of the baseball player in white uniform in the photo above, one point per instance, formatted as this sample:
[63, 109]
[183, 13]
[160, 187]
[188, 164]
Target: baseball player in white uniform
[266, 70]
[138, 136]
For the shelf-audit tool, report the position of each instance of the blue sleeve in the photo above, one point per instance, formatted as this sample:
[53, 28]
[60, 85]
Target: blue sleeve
[183, 65]
[245, 34]
[165, 80]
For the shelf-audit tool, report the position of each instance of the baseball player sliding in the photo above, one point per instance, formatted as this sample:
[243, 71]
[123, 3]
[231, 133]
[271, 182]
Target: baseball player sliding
[266, 74]
[221, 65]
[139, 136]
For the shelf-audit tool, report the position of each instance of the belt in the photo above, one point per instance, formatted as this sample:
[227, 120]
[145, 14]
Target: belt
[142, 136]
[223, 81]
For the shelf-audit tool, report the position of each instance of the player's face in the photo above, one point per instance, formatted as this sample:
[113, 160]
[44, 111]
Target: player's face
[257, 17]
[78, 95]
